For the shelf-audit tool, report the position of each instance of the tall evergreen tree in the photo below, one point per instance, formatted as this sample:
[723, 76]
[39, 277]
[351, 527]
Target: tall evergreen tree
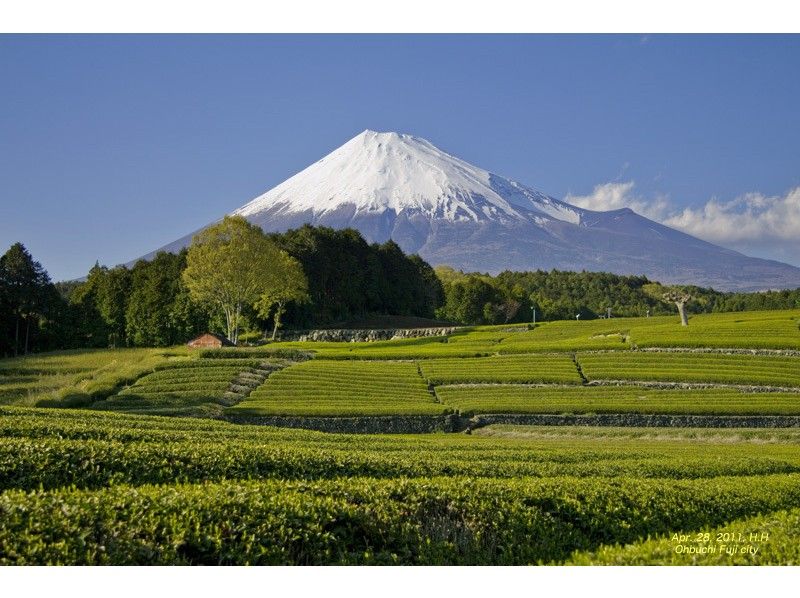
[91, 327]
[24, 288]
[112, 302]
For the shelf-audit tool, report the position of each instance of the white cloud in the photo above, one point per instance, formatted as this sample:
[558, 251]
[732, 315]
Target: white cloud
[614, 196]
[768, 226]
[750, 218]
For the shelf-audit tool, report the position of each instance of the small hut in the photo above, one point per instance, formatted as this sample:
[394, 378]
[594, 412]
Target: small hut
[209, 340]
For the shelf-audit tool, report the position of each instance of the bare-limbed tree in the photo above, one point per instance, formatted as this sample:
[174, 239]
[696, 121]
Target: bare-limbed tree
[680, 298]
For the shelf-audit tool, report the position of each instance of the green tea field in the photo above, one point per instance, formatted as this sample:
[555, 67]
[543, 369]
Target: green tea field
[153, 456]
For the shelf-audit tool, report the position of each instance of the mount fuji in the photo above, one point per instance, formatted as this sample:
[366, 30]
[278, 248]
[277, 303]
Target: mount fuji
[401, 187]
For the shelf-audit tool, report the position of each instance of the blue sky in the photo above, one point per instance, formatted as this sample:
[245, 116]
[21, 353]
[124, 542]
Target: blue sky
[111, 146]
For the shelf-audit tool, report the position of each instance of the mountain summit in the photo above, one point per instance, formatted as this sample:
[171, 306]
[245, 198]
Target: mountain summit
[376, 173]
[401, 187]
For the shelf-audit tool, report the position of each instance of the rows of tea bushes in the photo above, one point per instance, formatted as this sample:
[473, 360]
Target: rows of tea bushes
[508, 398]
[261, 353]
[758, 370]
[753, 436]
[76, 378]
[180, 387]
[779, 329]
[121, 427]
[769, 539]
[83, 487]
[573, 335]
[324, 387]
[109, 449]
[533, 368]
[366, 521]
[482, 341]
[405, 349]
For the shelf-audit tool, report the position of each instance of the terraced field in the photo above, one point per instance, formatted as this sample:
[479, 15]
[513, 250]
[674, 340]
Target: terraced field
[743, 330]
[779, 329]
[343, 388]
[106, 484]
[95, 449]
[73, 378]
[126, 489]
[559, 369]
[693, 367]
[180, 388]
[470, 400]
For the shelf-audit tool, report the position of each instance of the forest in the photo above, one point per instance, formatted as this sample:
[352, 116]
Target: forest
[150, 304]
[345, 279]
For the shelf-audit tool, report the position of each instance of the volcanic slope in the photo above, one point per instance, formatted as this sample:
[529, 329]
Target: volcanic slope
[401, 187]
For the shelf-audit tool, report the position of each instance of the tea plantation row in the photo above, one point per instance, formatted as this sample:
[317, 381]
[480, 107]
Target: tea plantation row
[323, 387]
[366, 521]
[103, 451]
[769, 539]
[474, 399]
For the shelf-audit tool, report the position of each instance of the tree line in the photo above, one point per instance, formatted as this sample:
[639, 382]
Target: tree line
[237, 280]
[233, 279]
[476, 298]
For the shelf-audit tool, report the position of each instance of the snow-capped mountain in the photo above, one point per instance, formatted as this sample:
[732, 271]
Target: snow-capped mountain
[390, 185]
[376, 173]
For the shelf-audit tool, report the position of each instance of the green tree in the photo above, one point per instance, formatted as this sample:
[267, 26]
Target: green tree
[91, 328]
[289, 283]
[160, 312]
[108, 292]
[472, 300]
[349, 279]
[427, 289]
[230, 265]
[23, 290]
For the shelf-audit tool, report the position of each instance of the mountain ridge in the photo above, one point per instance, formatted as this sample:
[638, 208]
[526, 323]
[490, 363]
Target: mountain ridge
[402, 187]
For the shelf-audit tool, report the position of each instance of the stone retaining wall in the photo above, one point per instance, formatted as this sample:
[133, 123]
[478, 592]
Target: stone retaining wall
[723, 351]
[662, 385]
[347, 335]
[423, 424]
[640, 420]
[395, 424]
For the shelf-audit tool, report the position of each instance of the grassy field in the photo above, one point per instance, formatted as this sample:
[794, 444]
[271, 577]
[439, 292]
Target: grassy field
[115, 482]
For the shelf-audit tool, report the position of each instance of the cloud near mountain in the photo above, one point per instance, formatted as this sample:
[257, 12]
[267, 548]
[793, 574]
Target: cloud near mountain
[768, 226]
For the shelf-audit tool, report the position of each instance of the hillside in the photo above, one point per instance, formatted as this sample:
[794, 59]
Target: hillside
[401, 187]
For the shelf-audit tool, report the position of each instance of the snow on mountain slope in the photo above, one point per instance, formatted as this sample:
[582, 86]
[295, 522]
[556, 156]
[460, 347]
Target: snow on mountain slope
[375, 172]
[401, 187]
